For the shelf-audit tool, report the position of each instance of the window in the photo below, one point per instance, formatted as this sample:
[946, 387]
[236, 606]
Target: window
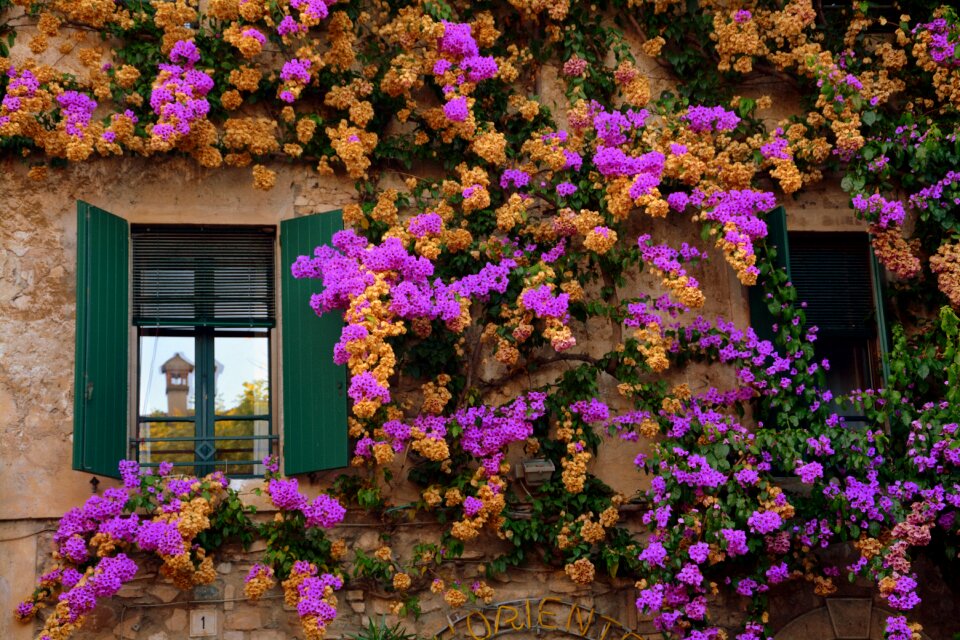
[837, 277]
[833, 274]
[204, 308]
[201, 304]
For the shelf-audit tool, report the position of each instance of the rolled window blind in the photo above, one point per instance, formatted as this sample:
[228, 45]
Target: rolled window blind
[203, 275]
[831, 273]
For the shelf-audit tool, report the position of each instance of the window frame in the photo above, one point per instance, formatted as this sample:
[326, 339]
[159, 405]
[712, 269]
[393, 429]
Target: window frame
[205, 416]
[204, 333]
[309, 404]
[761, 312]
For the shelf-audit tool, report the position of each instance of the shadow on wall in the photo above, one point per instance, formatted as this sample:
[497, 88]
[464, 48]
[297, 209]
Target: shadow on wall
[840, 619]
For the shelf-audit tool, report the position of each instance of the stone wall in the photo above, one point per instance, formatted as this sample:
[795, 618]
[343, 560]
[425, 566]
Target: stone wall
[150, 608]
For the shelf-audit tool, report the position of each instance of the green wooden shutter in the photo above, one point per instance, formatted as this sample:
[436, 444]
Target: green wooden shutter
[761, 318]
[879, 299]
[100, 382]
[314, 388]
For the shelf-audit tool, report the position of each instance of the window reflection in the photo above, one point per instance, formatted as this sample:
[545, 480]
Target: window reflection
[167, 366]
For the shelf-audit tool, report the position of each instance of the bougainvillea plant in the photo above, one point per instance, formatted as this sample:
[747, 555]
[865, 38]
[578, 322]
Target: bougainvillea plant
[472, 294]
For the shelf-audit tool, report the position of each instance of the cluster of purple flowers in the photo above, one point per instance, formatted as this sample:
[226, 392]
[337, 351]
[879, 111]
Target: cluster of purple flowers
[74, 549]
[544, 304]
[488, 431]
[20, 85]
[612, 127]
[776, 148]
[472, 506]
[464, 60]
[879, 210]
[312, 11]
[657, 311]
[257, 570]
[76, 109]
[285, 494]
[944, 36]
[162, 537]
[654, 553]
[288, 27]
[111, 573]
[897, 628]
[456, 109]
[613, 161]
[809, 472]
[365, 386]
[324, 511]
[591, 410]
[296, 70]
[934, 194]
[86, 519]
[250, 32]
[312, 602]
[178, 96]
[764, 521]
[666, 258]
[425, 223]
[516, 178]
[702, 119]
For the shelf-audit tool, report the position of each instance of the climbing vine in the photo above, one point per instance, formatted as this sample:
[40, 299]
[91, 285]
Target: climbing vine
[499, 222]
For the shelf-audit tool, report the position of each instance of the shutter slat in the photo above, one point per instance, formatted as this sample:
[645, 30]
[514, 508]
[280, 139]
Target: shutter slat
[203, 276]
[100, 382]
[314, 388]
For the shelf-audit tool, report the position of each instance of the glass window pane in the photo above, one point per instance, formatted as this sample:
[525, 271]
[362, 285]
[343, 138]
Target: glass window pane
[242, 375]
[244, 449]
[165, 451]
[167, 365]
[849, 364]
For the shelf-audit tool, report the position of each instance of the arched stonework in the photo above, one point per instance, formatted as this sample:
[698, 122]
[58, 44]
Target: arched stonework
[840, 619]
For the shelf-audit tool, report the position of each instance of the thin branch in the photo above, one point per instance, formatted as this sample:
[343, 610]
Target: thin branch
[471, 368]
[617, 327]
[540, 362]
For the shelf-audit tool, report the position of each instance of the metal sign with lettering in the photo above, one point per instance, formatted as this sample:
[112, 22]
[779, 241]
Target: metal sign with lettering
[537, 615]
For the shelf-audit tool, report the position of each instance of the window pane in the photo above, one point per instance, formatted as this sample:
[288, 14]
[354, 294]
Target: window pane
[849, 364]
[167, 365]
[244, 449]
[242, 378]
[165, 451]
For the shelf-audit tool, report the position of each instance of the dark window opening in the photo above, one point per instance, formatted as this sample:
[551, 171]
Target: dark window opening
[833, 274]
